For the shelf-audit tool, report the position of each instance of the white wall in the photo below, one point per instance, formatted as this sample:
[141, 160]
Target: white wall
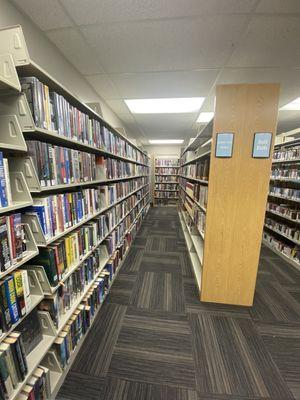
[43, 52]
[173, 150]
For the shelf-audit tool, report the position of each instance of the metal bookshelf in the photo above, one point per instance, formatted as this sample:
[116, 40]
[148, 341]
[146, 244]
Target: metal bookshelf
[16, 125]
[286, 155]
[163, 194]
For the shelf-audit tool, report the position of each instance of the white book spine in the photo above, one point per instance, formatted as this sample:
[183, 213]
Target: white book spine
[7, 180]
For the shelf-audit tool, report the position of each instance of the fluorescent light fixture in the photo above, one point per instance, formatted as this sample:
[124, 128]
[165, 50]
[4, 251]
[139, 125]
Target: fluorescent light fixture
[205, 117]
[293, 105]
[165, 106]
[166, 141]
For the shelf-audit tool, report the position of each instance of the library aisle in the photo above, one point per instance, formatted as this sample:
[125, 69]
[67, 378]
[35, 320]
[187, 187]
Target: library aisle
[154, 340]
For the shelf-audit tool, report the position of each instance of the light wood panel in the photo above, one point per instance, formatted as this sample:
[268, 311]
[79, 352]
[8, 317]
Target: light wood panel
[237, 195]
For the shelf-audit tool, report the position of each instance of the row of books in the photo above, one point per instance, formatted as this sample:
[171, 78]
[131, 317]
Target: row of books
[15, 300]
[195, 190]
[58, 212]
[196, 215]
[166, 195]
[116, 191]
[53, 112]
[81, 320]
[38, 387]
[284, 210]
[13, 364]
[5, 189]
[62, 300]
[12, 241]
[110, 168]
[166, 179]
[288, 193]
[197, 170]
[285, 173]
[291, 232]
[114, 246]
[159, 162]
[165, 186]
[57, 165]
[287, 154]
[167, 171]
[290, 250]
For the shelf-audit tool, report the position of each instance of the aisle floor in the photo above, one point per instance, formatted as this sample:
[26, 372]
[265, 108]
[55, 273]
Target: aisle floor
[154, 340]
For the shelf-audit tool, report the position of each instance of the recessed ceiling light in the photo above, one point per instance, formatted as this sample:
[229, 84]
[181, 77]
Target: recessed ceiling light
[165, 106]
[166, 141]
[293, 105]
[205, 117]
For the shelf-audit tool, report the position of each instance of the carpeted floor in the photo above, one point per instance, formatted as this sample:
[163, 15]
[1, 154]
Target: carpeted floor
[154, 340]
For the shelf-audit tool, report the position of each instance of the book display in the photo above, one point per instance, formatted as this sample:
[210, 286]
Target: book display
[73, 194]
[221, 212]
[282, 222]
[165, 181]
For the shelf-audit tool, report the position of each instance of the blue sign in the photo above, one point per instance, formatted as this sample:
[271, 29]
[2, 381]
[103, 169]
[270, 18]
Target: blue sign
[224, 145]
[262, 145]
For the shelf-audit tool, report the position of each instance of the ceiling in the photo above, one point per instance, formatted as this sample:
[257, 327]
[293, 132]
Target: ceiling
[175, 48]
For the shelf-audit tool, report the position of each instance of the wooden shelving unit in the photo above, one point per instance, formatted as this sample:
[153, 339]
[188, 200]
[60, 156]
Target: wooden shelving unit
[222, 199]
[165, 181]
[282, 229]
[16, 127]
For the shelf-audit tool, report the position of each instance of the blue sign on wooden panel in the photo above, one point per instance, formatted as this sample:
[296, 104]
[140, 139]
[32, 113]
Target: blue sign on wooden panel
[224, 144]
[262, 145]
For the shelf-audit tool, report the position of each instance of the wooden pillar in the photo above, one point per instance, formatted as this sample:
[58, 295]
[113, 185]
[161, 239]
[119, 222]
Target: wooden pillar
[237, 194]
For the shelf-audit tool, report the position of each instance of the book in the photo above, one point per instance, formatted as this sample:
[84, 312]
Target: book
[7, 181]
[4, 375]
[5, 258]
[3, 190]
[18, 281]
[10, 293]
[12, 370]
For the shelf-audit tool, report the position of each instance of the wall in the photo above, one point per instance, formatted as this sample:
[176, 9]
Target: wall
[43, 52]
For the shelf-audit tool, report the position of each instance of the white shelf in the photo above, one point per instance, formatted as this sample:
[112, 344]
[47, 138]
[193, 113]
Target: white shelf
[284, 197]
[192, 198]
[205, 182]
[204, 154]
[284, 216]
[295, 160]
[283, 235]
[42, 242]
[292, 180]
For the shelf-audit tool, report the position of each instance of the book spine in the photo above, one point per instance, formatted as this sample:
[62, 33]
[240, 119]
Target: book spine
[3, 195]
[7, 181]
[11, 299]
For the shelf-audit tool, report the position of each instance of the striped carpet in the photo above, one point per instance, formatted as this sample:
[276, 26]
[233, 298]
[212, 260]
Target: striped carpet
[154, 340]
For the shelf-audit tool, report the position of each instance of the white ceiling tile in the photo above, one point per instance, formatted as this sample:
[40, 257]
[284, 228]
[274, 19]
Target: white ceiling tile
[118, 106]
[103, 86]
[269, 42]
[288, 120]
[71, 43]
[87, 12]
[45, 13]
[165, 84]
[165, 124]
[289, 79]
[278, 6]
[166, 45]
[127, 118]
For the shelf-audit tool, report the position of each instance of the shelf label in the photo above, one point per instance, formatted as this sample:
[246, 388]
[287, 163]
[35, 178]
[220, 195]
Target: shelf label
[224, 145]
[262, 145]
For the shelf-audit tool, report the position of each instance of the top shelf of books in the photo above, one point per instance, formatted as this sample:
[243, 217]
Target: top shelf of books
[204, 135]
[13, 43]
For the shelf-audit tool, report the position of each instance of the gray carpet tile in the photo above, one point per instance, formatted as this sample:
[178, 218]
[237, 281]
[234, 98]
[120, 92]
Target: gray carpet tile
[283, 343]
[79, 386]
[117, 389]
[232, 359]
[159, 291]
[155, 340]
[95, 356]
[155, 349]
[273, 303]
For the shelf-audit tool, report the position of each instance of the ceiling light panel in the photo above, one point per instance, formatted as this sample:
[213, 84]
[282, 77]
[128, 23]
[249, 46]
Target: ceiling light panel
[165, 106]
[205, 117]
[293, 105]
[166, 141]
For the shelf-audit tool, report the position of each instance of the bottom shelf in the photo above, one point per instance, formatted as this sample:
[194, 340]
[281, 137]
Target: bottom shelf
[282, 255]
[194, 257]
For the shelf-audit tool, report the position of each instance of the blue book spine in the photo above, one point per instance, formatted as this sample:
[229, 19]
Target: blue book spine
[40, 211]
[65, 205]
[11, 299]
[3, 195]
[67, 164]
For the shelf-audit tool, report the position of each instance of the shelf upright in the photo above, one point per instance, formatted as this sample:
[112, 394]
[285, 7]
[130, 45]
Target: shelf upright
[223, 190]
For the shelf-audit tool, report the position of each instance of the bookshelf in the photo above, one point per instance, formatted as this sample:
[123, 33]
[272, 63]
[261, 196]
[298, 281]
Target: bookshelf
[222, 199]
[165, 181]
[282, 222]
[79, 190]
